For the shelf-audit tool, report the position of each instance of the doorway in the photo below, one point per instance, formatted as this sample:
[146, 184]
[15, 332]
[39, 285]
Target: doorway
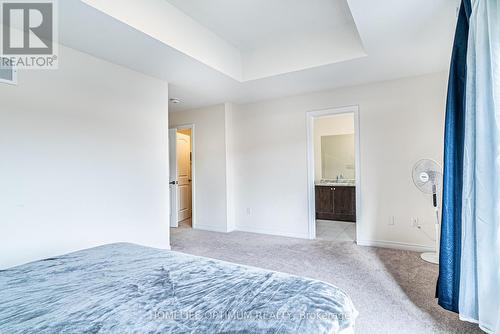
[334, 174]
[181, 181]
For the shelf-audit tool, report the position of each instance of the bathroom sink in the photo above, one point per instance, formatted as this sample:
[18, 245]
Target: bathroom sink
[337, 183]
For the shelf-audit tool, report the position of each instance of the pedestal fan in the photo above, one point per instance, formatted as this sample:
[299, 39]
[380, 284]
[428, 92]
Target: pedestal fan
[427, 177]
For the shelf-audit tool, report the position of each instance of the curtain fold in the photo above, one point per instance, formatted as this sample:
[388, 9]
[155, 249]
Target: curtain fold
[451, 234]
[479, 299]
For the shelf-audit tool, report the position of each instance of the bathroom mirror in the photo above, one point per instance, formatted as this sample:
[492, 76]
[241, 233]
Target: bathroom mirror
[338, 157]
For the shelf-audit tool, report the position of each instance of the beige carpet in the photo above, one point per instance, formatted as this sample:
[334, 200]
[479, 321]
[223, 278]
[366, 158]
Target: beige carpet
[392, 290]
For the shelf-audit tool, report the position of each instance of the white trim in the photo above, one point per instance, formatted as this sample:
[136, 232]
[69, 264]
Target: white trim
[172, 178]
[395, 245]
[253, 229]
[210, 228]
[311, 202]
[230, 210]
[193, 170]
[311, 115]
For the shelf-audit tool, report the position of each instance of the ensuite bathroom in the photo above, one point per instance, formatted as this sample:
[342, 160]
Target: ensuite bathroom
[335, 177]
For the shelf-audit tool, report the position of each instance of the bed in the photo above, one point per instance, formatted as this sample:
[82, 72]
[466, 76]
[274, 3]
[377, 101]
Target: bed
[126, 288]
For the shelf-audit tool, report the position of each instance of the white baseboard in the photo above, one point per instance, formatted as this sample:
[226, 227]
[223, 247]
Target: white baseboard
[368, 243]
[395, 245]
[253, 229]
[210, 228]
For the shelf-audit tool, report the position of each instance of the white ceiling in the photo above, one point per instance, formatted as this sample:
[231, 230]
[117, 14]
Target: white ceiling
[252, 24]
[399, 39]
[246, 39]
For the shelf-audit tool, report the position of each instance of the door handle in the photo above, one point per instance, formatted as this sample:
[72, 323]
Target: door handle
[173, 183]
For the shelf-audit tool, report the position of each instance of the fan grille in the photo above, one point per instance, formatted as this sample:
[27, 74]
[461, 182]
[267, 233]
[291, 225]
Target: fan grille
[427, 176]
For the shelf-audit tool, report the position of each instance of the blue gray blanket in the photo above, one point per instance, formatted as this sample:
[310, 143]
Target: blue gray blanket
[125, 288]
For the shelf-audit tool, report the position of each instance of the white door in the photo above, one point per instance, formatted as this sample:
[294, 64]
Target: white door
[184, 176]
[173, 182]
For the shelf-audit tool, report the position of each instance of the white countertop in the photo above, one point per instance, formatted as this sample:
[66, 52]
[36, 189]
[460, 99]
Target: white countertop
[336, 184]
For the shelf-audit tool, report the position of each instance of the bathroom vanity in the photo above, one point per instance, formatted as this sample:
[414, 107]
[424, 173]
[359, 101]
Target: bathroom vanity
[336, 201]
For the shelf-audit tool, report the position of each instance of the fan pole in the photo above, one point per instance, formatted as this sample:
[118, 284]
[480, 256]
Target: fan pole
[434, 256]
[437, 235]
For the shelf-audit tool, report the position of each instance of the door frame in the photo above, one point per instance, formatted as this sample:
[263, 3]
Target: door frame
[193, 169]
[173, 192]
[311, 116]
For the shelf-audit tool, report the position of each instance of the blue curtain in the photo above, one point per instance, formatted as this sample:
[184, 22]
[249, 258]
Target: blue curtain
[451, 233]
[480, 257]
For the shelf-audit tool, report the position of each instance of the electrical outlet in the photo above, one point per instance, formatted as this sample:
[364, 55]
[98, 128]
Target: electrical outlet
[392, 221]
[249, 211]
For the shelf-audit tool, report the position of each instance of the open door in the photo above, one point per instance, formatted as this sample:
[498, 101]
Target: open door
[184, 175]
[173, 181]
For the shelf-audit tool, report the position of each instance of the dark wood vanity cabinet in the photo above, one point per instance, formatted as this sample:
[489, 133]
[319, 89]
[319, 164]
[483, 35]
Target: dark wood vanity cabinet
[336, 203]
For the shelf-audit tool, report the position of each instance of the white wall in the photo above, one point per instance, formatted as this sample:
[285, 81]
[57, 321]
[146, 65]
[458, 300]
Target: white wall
[253, 160]
[329, 126]
[401, 122]
[83, 159]
[210, 153]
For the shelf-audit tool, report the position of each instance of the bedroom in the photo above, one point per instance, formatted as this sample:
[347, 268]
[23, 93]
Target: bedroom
[85, 163]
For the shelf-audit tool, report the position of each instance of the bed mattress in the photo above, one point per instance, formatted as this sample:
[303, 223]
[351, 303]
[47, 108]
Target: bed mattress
[126, 288]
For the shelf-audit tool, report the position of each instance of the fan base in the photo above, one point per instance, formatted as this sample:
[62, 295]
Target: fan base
[430, 257]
